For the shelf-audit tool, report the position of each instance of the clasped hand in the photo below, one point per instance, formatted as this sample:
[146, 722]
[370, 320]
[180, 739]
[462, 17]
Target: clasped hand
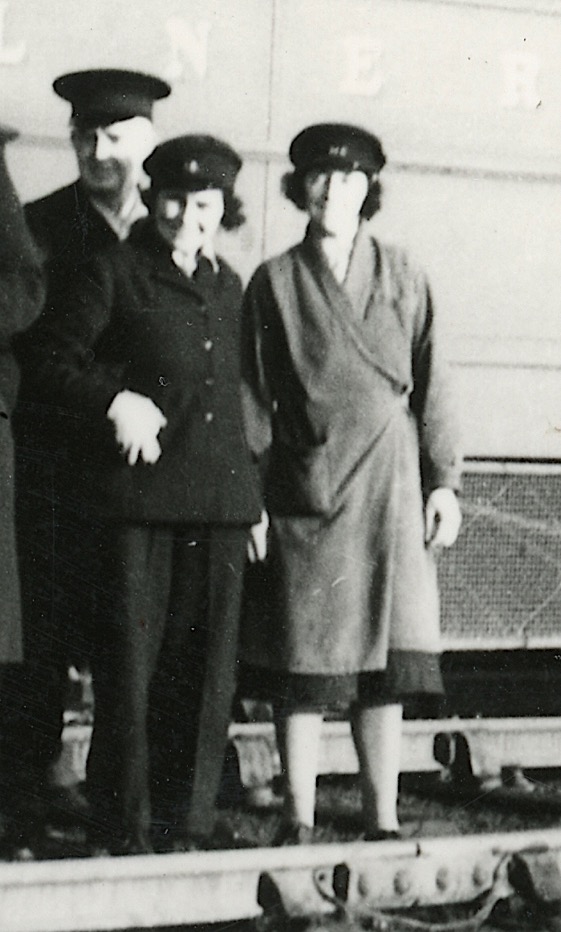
[257, 543]
[137, 422]
[443, 518]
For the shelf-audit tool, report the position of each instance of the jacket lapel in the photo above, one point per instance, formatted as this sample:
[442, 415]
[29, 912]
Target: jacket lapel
[359, 280]
[378, 326]
[333, 293]
[162, 267]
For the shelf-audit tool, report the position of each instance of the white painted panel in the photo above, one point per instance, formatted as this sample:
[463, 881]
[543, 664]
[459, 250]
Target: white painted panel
[457, 83]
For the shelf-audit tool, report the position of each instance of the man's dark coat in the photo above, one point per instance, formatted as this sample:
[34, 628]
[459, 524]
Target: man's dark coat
[55, 543]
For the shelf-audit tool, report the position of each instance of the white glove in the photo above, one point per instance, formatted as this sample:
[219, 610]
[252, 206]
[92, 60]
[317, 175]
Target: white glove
[443, 518]
[257, 543]
[137, 421]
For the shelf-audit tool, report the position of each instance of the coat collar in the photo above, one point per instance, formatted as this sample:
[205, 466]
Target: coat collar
[354, 293]
[144, 238]
[91, 221]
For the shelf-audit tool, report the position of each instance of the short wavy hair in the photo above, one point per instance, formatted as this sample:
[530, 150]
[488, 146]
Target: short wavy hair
[232, 218]
[293, 188]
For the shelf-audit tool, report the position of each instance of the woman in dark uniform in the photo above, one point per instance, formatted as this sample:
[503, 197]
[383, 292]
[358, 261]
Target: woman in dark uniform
[147, 357]
[348, 408]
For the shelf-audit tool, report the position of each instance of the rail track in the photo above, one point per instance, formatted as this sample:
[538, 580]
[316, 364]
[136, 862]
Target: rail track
[475, 847]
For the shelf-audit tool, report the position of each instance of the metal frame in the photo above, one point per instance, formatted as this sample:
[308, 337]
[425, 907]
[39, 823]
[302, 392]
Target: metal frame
[493, 745]
[167, 890]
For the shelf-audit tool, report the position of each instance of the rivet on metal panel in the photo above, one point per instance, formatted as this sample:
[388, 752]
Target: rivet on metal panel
[442, 878]
[402, 882]
[363, 886]
[480, 876]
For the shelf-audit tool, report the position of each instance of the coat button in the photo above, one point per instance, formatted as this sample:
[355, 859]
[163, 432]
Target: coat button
[209, 382]
[209, 416]
[208, 345]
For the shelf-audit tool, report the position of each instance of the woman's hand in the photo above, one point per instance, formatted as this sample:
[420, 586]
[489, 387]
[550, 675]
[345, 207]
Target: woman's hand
[443, 518]
[257, 543]
[137, 421]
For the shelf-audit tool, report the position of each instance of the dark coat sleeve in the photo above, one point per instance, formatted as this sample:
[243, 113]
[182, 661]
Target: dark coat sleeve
[256, 396]
[68, 368]
[22, 286]
[433, 403]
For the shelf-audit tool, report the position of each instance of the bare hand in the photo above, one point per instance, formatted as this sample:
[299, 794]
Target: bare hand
[257, 543]
[443, 518]
[137, 421]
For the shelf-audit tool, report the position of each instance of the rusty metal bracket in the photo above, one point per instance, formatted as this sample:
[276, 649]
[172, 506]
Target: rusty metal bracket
[536, 876]
[380, 883]
[333, 886]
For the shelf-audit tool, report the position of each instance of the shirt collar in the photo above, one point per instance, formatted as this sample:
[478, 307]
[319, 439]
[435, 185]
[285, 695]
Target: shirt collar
[188, 264]
[132, 210]
[335, 253]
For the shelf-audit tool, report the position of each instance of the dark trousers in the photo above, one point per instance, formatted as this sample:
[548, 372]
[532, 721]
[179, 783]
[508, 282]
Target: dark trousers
[164, 676]
[59, 571]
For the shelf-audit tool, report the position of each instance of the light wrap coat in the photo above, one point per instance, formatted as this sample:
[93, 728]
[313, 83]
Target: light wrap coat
[348, 408]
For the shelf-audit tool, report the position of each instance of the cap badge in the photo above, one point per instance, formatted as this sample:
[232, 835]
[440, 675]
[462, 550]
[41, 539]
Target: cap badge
[340, 151]
[192, 166]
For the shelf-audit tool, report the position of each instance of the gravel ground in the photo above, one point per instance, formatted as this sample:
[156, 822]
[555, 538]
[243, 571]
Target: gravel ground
[426, 809]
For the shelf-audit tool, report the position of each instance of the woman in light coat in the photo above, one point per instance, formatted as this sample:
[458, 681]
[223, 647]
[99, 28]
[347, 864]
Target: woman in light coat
[349, 411]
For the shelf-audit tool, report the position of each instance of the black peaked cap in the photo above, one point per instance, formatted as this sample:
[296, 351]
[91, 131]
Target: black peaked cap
[337, 145]
[193, 163]
[107, 95]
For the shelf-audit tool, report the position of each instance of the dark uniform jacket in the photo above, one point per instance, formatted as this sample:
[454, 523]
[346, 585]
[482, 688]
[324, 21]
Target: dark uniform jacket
[133, 320]
[69, 230]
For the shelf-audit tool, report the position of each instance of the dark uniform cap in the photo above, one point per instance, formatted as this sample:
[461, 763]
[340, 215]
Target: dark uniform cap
[193, 163]
[108, 95]
[337, 145]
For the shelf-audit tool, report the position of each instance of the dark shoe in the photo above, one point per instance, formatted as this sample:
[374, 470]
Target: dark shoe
[293, 833]
[222, 838]
[68, 803]
[227, 838]
[103, 840]
[383, 834]
[136, 841]
[135, 844]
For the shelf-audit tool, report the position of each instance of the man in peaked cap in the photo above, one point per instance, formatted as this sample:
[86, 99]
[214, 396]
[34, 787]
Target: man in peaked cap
[112, 134]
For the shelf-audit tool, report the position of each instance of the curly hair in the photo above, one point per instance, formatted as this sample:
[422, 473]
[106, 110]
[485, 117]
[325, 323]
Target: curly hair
[233, 211]
[293, 187]
[232, 218]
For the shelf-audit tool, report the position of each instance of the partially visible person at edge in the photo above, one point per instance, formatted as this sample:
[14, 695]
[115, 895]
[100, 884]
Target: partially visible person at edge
[146, 358]
[21, 297]
[348, 408]
[112, 134]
